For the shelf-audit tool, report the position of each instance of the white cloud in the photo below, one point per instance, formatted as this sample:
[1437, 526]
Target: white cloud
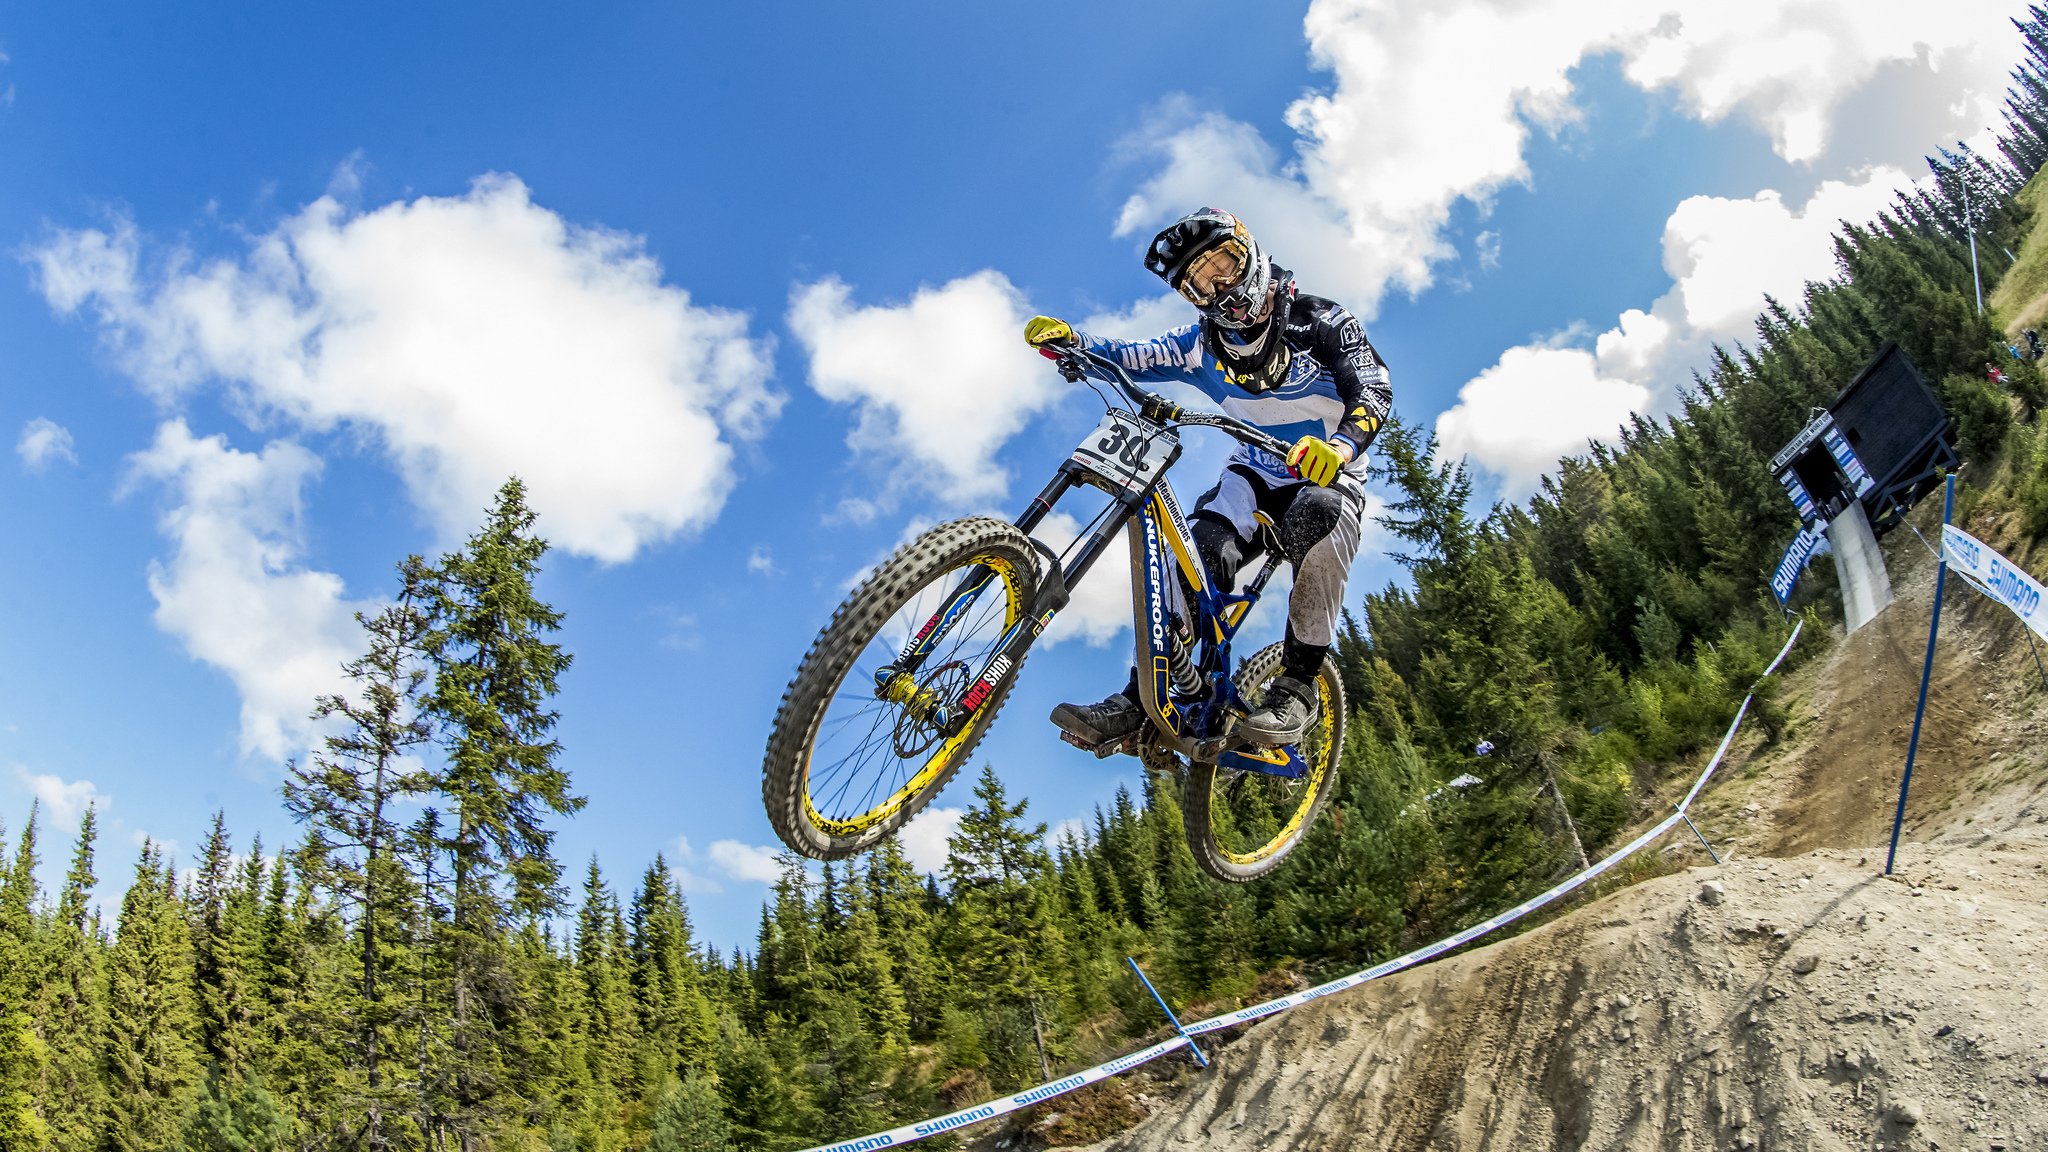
[1434, 104]
[748, 862]
[761, 562]
[63, 801]
[924, 838]
[1143, 320]
[1536, 404]
[470, 338]
[42, 441]
[1543, 400]
[1101, 606]
[939, 383]
[235, 591]
[1789, 67]
[1725, 254]
[682, 870]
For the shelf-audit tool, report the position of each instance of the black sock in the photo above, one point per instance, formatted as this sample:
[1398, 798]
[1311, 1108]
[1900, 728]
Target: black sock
[1301, 661]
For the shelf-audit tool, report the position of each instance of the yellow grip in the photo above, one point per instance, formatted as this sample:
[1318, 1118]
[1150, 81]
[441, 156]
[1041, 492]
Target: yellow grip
[1044, 331]
[1316, 460]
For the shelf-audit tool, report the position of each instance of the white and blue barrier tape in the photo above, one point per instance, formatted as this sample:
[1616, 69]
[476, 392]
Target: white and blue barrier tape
[1018, 1101]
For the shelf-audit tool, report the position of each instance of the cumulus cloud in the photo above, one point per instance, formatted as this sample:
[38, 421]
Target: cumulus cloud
[63, 801]
[938, 383]
[761, 562]
[682, 869]
[924, 838]
[1409, 127]
[235, 590]
[1535, 405]
[747, 862]
[1101, 606]
[1789, 67]
[468, 337]
[44, 441]
[1543, 400]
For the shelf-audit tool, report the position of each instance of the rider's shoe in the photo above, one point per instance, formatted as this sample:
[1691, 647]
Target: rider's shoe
[1285, 714]
[1097, 724]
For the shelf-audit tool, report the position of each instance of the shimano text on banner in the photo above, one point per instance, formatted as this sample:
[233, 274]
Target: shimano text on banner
[1794, 563]
[1997, 577]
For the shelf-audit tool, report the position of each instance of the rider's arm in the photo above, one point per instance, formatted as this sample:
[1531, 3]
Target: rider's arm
[1361, 379]
[1177, 355]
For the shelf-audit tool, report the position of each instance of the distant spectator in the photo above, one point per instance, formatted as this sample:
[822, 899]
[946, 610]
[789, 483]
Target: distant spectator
[2013, 350]
[2033, 339]
[1992, 373]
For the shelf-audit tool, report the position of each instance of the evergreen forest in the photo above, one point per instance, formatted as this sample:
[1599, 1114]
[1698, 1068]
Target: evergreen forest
[419, 971]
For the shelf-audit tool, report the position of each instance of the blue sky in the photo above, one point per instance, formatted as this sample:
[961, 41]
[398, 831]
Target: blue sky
[737, 289]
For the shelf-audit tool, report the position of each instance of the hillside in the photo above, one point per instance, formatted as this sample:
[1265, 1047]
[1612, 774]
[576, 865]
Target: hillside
[1791, 997]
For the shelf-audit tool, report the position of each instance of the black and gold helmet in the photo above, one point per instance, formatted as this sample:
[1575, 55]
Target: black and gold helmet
[1210, 257]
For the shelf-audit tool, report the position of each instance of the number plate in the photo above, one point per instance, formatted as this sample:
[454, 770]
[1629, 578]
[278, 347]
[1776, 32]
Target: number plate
[1127, 452]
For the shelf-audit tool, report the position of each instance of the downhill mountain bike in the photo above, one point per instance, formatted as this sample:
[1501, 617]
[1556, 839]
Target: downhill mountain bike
[917, 661]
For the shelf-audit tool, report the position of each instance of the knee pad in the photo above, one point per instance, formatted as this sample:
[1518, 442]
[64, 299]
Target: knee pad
[1222, 550]
[1309, 518]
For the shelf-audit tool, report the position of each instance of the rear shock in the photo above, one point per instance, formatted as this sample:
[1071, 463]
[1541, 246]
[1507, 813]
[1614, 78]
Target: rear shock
[1180, 660]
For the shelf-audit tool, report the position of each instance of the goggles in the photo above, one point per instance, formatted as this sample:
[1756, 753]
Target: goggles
[1212, 275]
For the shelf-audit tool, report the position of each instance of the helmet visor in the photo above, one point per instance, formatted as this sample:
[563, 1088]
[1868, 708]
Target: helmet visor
[1214, 273]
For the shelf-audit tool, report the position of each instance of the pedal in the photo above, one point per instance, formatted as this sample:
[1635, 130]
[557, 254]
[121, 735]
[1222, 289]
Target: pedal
[1101, 751]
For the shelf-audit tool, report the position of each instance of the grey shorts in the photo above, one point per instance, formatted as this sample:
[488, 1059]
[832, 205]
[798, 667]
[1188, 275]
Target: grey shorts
[1319, 530]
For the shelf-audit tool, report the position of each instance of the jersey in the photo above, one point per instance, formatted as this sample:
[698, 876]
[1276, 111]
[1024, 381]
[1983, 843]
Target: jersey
[1336, 386]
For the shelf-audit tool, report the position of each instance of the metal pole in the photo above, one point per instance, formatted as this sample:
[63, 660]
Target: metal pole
[2028, 633]
[1948, 507]
[1970, 226]
[1696, 832]
[1199, 1058]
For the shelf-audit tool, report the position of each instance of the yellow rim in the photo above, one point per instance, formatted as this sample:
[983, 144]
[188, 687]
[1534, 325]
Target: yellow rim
[855, 825]
[1326, 724]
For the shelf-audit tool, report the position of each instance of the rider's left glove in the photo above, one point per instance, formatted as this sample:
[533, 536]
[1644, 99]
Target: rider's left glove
[1316, 460]
[1046, 334]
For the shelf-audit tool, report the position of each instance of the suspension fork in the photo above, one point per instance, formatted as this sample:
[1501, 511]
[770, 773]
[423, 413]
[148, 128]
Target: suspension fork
[1052, 594]
[897, 679]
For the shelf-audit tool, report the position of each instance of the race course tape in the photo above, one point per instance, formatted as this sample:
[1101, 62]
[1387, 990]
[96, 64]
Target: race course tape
[1005, 1105]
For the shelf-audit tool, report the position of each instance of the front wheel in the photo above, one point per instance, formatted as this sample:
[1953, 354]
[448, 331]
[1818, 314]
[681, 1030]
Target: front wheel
[1242, 824]
[858, 748]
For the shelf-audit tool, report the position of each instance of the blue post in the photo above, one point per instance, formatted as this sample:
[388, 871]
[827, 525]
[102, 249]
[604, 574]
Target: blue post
[1199, 1058]
[1696, 832]
[1948, 508]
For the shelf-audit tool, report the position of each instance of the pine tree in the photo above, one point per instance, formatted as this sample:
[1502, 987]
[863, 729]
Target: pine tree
[690, 1117]
[1006, 949]
[494, 674]
[236, 1115]
[222, 939]
[152, 1059]
[21, 1053]
[71, 1011]
[678, 1027]
[346, 796]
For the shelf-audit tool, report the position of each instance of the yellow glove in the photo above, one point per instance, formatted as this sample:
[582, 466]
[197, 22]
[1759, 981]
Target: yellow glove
[1317, 460]
[1042, 332]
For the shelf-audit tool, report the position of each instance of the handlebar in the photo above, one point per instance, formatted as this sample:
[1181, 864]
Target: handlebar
[1075, 362]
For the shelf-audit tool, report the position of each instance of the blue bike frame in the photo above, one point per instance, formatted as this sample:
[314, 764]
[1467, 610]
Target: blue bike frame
[1179, 613]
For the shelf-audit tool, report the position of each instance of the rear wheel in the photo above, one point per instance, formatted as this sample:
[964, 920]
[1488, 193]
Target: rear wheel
[854, 755]
[1242, 824]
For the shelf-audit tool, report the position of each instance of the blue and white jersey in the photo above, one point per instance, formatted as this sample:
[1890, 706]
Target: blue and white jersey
[1336, 386]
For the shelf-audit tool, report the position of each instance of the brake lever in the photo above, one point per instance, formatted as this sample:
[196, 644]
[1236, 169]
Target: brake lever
[1070, 366]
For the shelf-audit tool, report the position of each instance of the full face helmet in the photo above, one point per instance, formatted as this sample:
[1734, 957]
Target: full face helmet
[1210, 257]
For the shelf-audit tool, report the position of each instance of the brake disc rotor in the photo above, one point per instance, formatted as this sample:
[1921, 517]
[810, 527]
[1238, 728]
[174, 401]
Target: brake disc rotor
[921, 721]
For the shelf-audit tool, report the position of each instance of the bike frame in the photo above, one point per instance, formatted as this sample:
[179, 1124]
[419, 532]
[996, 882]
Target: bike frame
[1129, 463]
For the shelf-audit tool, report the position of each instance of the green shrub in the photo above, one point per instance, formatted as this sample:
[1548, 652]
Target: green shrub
[1981, 412]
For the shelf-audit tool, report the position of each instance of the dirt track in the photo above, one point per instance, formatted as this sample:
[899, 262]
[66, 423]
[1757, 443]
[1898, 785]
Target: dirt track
[1792, 998]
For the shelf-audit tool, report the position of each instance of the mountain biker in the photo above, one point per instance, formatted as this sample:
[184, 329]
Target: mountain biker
[1296, 366]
